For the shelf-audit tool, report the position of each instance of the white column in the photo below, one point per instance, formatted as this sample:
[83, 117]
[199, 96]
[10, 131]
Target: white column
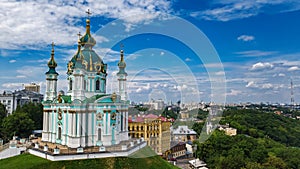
[79, 124]
[44, 122]
[69, 123]
[126, 126]
[72, 124]
[123, 120]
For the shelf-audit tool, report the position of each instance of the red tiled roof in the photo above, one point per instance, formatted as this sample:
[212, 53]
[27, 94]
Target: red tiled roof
[151, 116]
[163, 118]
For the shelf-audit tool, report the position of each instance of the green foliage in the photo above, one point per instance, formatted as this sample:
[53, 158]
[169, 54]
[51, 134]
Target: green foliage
[183, 123]
[260, 124]
[34, 112]
[222, 151]
[202, 114]
[3, 112]
[197, 127]
[19, 124]
[170, 113]
[141, 108]
[27, 161]
[22, 121]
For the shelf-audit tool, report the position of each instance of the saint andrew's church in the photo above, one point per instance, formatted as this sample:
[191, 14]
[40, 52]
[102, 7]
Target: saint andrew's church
[86, 116]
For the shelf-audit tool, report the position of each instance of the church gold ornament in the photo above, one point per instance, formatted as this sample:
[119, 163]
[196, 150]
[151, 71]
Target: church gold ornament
[99, 116]
[113, 116]
[59, 114]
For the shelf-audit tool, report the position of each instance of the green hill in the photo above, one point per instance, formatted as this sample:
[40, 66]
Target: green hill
[260, 124]
[142, 159]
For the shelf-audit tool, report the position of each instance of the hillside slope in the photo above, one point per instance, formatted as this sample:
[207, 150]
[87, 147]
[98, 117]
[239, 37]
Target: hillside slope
[141, 159]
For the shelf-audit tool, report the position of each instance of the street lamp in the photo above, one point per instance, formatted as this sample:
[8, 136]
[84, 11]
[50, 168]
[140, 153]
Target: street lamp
[194, 151]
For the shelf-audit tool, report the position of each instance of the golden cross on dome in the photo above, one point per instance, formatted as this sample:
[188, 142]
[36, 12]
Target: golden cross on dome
[88, 13]
[121, 46]
[52, 44]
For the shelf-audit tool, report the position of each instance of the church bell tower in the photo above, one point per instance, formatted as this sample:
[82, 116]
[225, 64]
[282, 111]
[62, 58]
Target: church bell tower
[51, 78]
[122, 77]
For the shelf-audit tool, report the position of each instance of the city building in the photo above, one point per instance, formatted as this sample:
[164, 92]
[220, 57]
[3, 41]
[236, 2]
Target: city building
[156, 104]
[183, 134]
[178, 149]
[154, 129]
[197, 164]
[24, 96]
[86, 116]
[8, 99]
[18, 98]
[228, 130]
[33, 87]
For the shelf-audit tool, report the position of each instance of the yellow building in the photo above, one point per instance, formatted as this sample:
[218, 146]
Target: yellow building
[228, 130]
[154, 129]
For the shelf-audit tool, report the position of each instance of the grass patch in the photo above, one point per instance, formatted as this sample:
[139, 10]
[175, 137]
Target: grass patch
[144, 158]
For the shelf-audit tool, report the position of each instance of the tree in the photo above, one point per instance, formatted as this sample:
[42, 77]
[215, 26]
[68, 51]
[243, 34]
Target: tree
[19, 124]
[275, 163]
[253, 165]
[34, 112]
[3, 112]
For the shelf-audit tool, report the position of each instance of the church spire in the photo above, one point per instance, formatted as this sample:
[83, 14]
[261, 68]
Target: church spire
[87, 41]
[122, 76]
[88, 21]
[52, 64]
[122, 64]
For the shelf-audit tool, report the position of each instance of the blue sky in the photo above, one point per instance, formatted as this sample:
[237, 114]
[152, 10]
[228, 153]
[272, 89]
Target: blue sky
[257, 41]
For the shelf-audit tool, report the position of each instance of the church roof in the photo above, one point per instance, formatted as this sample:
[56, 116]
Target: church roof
[94, 98]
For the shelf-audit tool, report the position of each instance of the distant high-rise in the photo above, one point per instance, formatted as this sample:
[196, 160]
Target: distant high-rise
[33, 87]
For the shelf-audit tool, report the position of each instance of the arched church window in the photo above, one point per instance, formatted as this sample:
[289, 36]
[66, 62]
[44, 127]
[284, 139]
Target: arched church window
[59, 133]
[84, 85]
[70, 84]
[97, 84]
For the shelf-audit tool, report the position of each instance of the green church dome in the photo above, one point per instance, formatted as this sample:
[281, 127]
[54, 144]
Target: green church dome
[87, 41]
[51, 63]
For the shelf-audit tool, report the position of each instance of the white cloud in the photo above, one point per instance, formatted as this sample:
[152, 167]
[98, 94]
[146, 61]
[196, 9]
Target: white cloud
[220, 73]
[35, 23]
[12, 61]
[246, 38]
[261, 66]
[234, 92]
[228, 12]
[233, 9]
[139, 90]
[251, 84]
[13, 86]
[255, 53]
[293, 68]
[143, 88]
[281, 74]
[188, 59]
[267, 86]
[21, 76]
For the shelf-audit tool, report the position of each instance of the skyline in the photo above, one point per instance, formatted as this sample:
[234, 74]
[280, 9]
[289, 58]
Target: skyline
[257, 43]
